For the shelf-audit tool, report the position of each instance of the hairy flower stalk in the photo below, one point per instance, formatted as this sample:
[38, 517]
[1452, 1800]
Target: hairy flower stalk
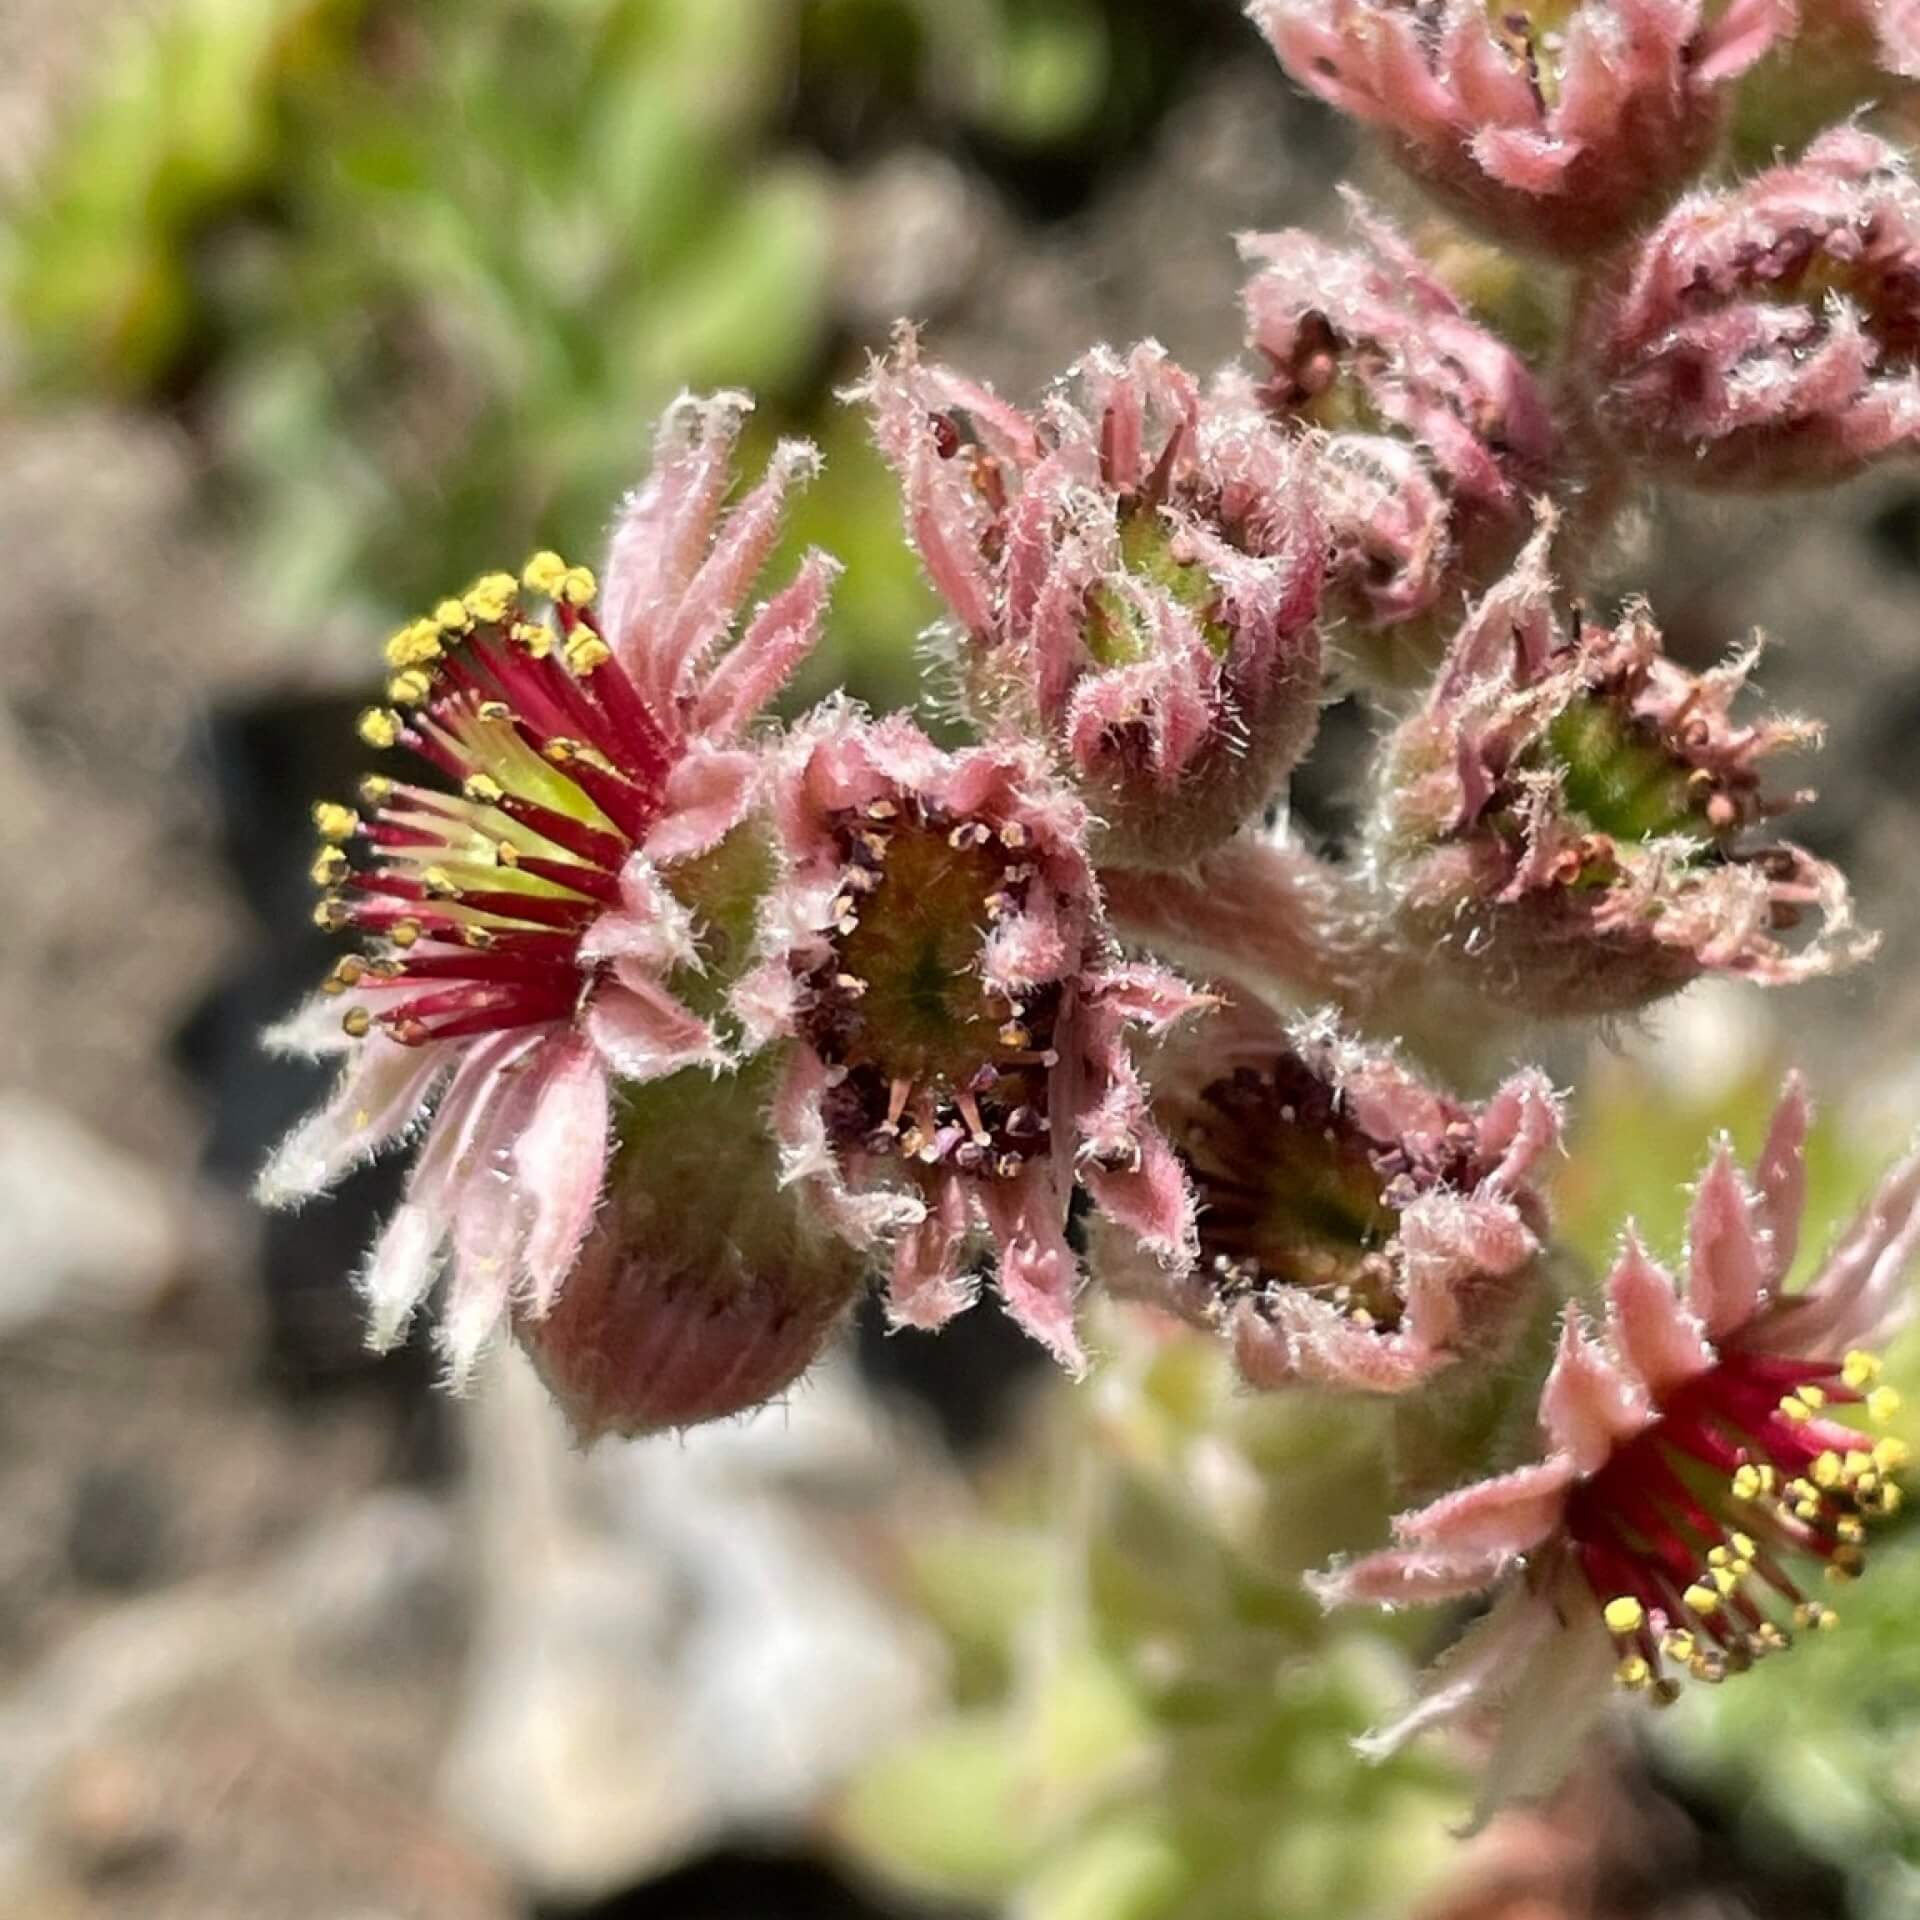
[1557, 125]
[1769, 336]
[1437, 436]
[1356, 1228]
[963, 1058]
[1575, 822]
[1704, 1479]
[556, 917]
[1136, 571]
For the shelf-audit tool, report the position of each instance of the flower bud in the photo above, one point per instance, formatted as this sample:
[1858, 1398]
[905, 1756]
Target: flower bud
[1767, 337]
[962, 1058]
[1576, 824]
[1557, 125]
[1437, 433]
[1136, 570]
[1357, 1228]
[704, 1286]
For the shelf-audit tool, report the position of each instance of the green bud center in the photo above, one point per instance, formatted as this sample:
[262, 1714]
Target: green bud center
[1117, 634]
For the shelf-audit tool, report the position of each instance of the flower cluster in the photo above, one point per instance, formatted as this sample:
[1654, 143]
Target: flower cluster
[703, 1019]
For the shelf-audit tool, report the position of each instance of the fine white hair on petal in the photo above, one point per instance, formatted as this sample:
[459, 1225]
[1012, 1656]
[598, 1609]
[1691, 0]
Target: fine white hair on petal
[381, 1093]
[399, 1272]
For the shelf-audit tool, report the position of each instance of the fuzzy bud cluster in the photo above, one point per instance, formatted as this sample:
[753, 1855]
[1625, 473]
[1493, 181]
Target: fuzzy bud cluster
[703, 1023]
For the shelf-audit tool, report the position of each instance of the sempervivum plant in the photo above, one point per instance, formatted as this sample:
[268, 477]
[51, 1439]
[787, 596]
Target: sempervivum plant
[700, 1020]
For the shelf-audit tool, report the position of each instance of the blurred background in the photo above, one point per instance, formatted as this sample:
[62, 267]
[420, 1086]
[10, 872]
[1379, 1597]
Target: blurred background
[309, 310]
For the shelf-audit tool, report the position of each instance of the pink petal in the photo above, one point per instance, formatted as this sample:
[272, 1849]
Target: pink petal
[1724, 1271]
[1398, 1577]
[714, 595]
[1038, 1275]
[1292, 1337]
[1151, 1199]
[927, 1287]
[1652, 1330]
[560, 1160]
[399, 1271]
[1780, 1181]
[778, 639]
[381, 1092]
[649, 926]
[708, 794]
[1588, 1406]
[1507, 1514]
[642, 1032]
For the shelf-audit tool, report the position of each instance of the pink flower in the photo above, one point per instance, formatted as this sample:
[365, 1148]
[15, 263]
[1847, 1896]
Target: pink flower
[1438, 433]
[1694, 1470]
[1767, 337]
[542, 918]
[963, 1022]
[1357, 1228]
[1555, 126]
[1136, 570]
[1572, 820]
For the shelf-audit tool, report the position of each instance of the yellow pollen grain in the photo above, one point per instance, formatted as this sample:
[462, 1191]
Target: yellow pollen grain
[329, 867]
[544, 572]
[577, 587]
[1632, 1673]
[1679, 1645]
[1827, 1469]
[379, 727]
[1860, 1369]
[535, 638]
[1700, 1599]
[1851, 1529]
[1725, 1578]
[585, 652]
[1743, 1545]
[376, 789]
[1746, 1483]
[330, 915]
[1814, 1397]
[1624, 1614]
[439, 881]
[410, 689]
[403, 933]
[333, 821]
[453, 616]
[414, 645]
[1887, 1500]
[483, 789]
[490, 598]
[1882, 1404]
[1891, 1454]
[1795, 1408]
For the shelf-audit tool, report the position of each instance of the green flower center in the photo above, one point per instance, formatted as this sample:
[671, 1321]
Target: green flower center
[1116, 633]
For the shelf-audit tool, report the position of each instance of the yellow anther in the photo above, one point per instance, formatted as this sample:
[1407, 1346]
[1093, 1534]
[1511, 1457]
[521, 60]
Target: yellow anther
[1624, 1614]
[1827, 1469]
[376, 789]
[1803, 1490]
[1860, 1369]
[1859, 1461]
[403, 933]
[414, 645]
[1719, 1557]
[1810, 1615]
[1700, 1599]
[331, 915]
[379, 727]
[334, 821]
[1632, 1673]
[1795, 1408]
[483, 789]
[1746, 1483]
[329, 867]
[490, 598]
[1679, 1645]
[586, 651]
[577, 587]
[356, 1023]
[410, 689]
[1887, 1500]
[437, 880]
[1850, 1528]
[1891, 1454]
[453, 616]
[1882, 1404]
[532, 635]
[1743, 1545]
[1814, 1397]
[544, 573]
[1725, 1578]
